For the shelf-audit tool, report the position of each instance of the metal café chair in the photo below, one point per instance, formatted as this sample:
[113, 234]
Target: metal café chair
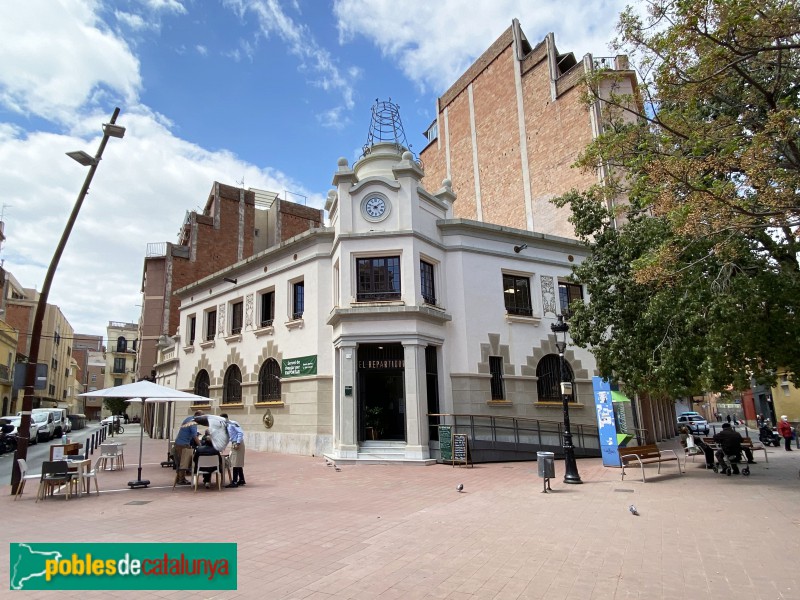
[23, 469]
[54, 474]
[111, 454]
[207, 464]
[90, 474]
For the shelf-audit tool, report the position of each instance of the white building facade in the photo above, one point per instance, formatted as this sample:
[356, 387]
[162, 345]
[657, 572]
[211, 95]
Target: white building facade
[344, 340]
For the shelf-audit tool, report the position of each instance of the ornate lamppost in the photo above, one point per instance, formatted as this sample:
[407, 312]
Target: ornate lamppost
[570, 465]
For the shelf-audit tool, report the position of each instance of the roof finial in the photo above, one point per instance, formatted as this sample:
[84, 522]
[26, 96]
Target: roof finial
[386, 126]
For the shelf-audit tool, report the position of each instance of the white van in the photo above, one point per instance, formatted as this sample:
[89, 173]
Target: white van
[44, 420]
[59, 423]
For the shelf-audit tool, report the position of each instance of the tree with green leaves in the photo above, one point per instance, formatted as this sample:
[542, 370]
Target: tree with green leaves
[694, 277]
[117, 406]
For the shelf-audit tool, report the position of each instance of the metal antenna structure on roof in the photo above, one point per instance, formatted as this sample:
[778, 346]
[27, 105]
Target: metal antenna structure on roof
[386, 126]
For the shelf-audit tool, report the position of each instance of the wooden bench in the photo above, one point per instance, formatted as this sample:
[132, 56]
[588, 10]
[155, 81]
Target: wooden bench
[646, 455]
[746, 443]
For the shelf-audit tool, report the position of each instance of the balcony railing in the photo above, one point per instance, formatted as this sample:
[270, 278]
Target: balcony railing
[156, 249]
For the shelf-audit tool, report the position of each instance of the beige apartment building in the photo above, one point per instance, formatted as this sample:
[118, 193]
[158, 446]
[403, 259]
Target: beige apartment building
[55, 347]
[8, 351]
[121, 353]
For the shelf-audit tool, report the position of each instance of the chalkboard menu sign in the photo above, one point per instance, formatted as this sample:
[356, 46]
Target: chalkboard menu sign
[446, 442]
[461, 449]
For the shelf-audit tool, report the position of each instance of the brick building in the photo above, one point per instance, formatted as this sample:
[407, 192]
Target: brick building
[234, 225]
[508, 131]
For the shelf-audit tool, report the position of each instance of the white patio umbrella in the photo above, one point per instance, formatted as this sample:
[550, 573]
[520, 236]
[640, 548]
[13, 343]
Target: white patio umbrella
[146, 391]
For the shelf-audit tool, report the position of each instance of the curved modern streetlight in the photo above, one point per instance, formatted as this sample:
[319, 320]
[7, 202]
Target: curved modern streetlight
[570, 465]
[110, 129]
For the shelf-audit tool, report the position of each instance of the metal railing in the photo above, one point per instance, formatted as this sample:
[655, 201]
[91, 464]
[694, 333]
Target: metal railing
[508, 438]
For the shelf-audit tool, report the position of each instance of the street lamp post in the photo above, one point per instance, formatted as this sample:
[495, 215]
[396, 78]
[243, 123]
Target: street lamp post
[570, 465]
[110, 129]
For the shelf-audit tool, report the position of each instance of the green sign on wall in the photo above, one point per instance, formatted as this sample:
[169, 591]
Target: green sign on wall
[298, 367]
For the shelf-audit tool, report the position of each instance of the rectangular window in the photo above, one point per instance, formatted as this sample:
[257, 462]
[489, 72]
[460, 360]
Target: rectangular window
[192, 329]
[378, 279]
[567, 294]
[496, 369]
[119, 365]
[237, 317]
[117, 382]
[211, 325]
[94, 378]
[267, 309]
[298, 299]
[517, 295]
[426, 282]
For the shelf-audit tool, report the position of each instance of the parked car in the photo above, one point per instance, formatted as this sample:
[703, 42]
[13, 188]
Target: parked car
[60, 420]
[694, 422]
[44, 421]
[33, 430]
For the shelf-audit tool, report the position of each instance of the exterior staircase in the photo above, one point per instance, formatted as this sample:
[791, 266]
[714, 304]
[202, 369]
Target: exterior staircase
[383, 452]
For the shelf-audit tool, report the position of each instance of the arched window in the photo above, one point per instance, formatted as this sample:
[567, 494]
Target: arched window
[201, 384]
[232, 386]
[269, 381]
[548, 372]
[122, 344]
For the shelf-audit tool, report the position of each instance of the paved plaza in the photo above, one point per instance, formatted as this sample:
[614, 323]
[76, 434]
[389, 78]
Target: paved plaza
[307, 530]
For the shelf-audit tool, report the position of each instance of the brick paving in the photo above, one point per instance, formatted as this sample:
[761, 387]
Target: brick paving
[306, 530]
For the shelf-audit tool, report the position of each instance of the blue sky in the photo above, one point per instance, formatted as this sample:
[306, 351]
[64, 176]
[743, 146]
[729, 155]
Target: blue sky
[267, 93]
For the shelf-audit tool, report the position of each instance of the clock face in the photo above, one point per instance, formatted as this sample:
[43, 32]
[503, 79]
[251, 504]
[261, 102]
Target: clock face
[375, 207]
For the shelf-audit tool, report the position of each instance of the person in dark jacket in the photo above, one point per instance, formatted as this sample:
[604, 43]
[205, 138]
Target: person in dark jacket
[730, 442]
[206, 448]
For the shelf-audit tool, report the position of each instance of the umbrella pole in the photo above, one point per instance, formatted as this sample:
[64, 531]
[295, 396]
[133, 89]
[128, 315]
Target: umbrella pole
[139, 482]
[169, 423]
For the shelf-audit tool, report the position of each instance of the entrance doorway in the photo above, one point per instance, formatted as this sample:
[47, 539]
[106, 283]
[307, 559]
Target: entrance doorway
[381, 392]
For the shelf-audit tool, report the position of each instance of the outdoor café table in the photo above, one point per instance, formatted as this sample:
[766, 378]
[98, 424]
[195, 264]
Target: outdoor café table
[80, 468]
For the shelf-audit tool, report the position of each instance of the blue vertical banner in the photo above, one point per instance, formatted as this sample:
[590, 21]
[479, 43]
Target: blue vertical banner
[606, 424]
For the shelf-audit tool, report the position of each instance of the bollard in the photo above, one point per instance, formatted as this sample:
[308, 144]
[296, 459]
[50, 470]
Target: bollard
[545, 461]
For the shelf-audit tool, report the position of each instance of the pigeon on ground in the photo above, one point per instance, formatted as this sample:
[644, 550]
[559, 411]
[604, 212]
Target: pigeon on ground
[633, 510]
[460, 487]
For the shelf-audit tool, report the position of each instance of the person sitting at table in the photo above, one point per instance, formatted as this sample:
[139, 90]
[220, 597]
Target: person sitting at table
[206, 448]
[730, 442]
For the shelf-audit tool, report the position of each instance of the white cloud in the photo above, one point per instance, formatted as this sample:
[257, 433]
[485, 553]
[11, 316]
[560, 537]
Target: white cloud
[133, 21]
[140, 193]
[56, 58]
[315, 60]
[172, 6]
[434, 42]
[201, 50]
[60, 62]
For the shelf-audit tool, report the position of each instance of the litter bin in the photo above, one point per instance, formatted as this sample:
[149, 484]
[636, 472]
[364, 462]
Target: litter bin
[547, 468]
